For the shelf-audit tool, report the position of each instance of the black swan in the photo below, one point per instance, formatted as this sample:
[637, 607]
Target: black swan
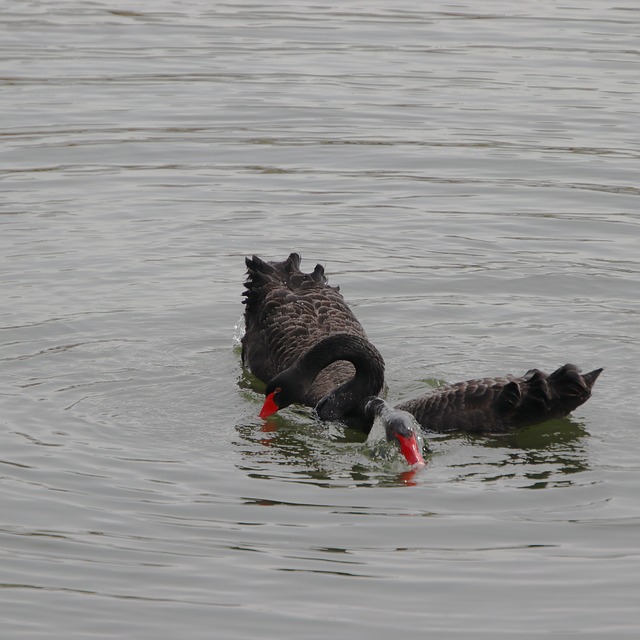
[302, 339]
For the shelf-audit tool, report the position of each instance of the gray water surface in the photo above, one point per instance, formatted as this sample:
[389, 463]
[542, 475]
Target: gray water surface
[468, 174]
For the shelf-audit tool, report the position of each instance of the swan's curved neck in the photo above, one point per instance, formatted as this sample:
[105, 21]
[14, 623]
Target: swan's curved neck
[348, 398]
[344, 346]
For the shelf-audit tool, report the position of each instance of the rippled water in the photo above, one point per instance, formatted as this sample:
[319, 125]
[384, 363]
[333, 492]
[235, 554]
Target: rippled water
[468, 174]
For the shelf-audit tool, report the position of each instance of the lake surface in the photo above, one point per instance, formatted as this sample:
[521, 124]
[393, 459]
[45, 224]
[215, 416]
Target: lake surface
[467, 173]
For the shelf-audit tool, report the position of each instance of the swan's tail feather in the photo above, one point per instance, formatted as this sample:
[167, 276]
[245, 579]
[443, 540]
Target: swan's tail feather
[529, 396]
[292, 263]
[259, 273]
[318, 274]
[569, 382]
[263, 276]
[591, 377]
[559, 393]
[510, 397]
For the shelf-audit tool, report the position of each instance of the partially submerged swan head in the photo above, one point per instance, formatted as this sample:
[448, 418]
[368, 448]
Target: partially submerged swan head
[399, 426]
[346, 401]
[283, 391]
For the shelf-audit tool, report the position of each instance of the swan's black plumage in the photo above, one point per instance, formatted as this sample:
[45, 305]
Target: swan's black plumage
[287, 313]
[300, 331]
[496, 405]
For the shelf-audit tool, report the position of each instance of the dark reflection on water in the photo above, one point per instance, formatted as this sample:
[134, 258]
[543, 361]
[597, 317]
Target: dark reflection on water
[545, 453]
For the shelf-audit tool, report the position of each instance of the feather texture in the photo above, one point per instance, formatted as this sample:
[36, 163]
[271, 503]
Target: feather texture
[288, 312]
[496, 405]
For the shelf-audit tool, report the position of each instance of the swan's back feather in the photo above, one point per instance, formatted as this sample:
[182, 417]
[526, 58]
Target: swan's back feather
[496, 405]
[287, 312]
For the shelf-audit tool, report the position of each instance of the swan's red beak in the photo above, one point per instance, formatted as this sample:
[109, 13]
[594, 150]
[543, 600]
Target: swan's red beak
[411, 450]
[269, 407]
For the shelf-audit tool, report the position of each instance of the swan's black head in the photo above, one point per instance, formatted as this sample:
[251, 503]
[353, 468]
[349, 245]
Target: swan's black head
[283, 390]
